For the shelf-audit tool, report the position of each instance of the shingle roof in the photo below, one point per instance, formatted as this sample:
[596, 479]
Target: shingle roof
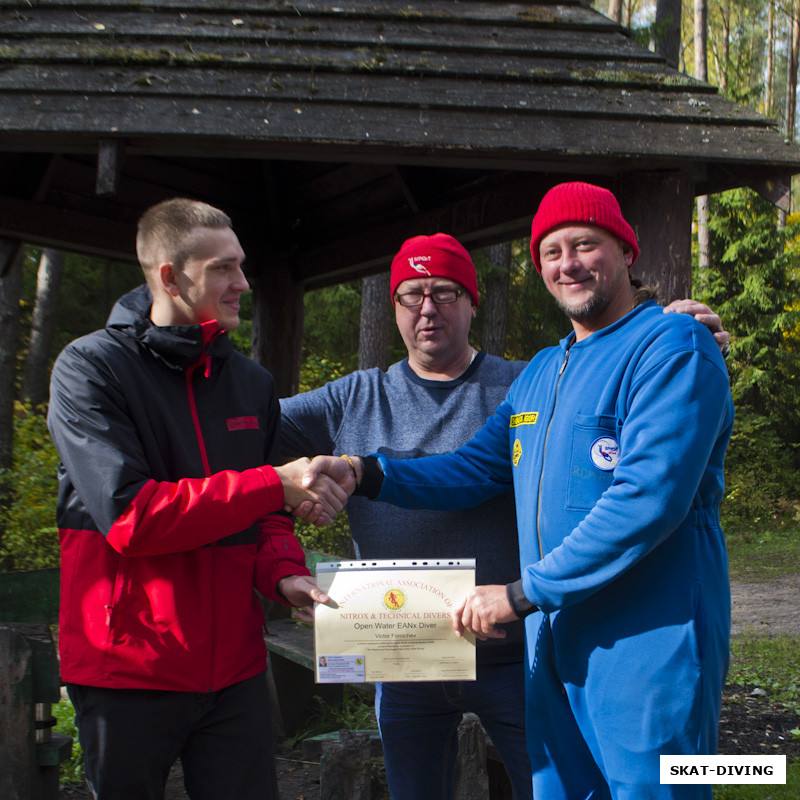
[324, 118]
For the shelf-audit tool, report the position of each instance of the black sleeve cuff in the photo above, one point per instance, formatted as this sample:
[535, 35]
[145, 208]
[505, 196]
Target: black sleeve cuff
[519, 603]
[371, 478]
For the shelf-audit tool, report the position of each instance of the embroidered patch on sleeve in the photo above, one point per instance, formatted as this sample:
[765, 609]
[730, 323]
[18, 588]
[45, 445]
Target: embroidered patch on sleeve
[242, 423]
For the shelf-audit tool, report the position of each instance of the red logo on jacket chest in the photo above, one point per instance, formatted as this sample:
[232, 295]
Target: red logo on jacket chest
[242, 423]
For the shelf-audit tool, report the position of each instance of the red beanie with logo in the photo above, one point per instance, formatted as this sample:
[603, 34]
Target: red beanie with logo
[581, 204]
[436, 256]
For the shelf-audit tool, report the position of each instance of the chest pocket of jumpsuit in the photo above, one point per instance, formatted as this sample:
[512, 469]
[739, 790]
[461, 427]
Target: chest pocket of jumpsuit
[595, 452]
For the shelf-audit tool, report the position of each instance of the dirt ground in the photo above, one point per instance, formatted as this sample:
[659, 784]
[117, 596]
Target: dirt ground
[749, 724]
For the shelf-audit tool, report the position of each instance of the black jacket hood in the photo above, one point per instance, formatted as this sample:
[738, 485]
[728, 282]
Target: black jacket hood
[179, 346]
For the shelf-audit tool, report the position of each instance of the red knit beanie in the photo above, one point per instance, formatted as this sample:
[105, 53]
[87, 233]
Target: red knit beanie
[437, 256]
[579, 203]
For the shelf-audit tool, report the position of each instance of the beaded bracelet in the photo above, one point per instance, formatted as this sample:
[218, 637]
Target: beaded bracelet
[352, 467]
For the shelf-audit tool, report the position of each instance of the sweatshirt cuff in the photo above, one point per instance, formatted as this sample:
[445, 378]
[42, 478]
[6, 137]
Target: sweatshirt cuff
[519, 603]
[371, 478]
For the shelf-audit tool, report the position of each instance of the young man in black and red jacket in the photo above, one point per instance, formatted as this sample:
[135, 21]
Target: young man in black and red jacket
[169, 518]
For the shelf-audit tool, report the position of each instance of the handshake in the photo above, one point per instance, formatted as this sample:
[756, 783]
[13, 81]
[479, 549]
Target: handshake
[316, 491]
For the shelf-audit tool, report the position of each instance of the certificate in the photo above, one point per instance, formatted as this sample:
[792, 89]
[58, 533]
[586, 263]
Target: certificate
[392, 621]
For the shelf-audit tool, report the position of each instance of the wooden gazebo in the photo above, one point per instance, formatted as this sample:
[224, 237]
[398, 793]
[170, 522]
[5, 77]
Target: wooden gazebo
[331, 131]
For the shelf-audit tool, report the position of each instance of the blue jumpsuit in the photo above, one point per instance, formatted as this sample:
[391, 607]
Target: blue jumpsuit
[615, 446]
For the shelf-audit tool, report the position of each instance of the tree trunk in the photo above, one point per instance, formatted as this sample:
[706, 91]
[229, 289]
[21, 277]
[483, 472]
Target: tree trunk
[769, 77]
[722, 70]
[665, 238]
[495, 301]
[701, 73]
[48, 281]
[615, 10]
[376, 322]
[791, 89]
[668, 30]
[627, 13]
[791, 75]
[277, 321]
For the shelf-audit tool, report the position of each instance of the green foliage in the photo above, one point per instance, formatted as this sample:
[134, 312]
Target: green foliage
[71, 770]
[753, 287]
[334, 539]
[355, 712]
[762, 481]
[333, 322]
[30, 540]
[316, 371]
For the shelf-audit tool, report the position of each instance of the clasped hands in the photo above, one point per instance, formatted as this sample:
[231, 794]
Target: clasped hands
[316, 491]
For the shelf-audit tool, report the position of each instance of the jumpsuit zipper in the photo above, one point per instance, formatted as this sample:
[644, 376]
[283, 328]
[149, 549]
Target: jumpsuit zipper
[544, 453]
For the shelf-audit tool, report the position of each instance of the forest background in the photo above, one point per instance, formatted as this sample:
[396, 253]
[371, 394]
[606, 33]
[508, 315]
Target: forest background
[746, 267]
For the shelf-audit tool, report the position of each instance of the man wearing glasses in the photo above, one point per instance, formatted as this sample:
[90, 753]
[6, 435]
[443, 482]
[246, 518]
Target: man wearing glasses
[433, 402]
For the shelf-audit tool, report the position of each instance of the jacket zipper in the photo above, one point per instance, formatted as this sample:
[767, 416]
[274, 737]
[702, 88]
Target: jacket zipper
[205, 361]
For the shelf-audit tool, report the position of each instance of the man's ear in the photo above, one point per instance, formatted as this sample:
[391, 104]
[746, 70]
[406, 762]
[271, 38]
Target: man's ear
[627, 254]
[167, 278]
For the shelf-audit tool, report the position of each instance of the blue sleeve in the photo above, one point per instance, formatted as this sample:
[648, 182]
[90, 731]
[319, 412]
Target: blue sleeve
[475, 472]
[676, 426]
[310, 422]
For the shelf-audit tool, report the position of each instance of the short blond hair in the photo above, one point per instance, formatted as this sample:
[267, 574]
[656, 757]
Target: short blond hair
[164, 230]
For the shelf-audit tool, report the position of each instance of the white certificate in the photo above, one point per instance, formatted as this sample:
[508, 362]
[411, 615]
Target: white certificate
[392, 621]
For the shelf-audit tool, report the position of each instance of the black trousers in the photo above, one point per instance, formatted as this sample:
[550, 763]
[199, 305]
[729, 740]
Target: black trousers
[132, 737]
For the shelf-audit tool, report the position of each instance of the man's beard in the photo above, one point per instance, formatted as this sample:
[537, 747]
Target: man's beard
[589, 310]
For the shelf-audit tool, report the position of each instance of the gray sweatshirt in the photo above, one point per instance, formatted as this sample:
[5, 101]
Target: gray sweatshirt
[404, 416]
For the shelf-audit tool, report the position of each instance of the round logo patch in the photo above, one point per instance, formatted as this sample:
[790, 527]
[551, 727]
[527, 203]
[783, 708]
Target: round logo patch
[394, 599]
[516, 454]
[605, 453]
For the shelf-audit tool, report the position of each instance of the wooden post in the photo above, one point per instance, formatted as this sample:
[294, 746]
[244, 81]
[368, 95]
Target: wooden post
[17, 726]
[472, 781]
[659, 206]
[346, 767]
[278, 326]
[109, 164]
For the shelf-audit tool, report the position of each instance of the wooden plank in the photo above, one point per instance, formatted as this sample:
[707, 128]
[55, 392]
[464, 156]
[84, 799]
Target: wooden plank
[614, 90]
[304, 33]
[368, 58]
[37, 223]
[291, 640]
[429, 11]
[505, 135]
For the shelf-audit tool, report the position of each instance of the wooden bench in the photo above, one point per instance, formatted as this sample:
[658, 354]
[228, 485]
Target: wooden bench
[291, 664]
[30, 751]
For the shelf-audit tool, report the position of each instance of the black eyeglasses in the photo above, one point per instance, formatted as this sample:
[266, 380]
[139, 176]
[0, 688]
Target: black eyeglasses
[439, 296]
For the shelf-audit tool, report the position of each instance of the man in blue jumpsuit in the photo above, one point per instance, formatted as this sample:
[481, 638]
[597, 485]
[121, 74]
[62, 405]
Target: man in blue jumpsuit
[614, 442]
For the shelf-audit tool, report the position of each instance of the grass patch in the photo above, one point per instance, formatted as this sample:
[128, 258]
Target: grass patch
[771, 663]
[788, 791]
[71, 770]
[769, 552]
